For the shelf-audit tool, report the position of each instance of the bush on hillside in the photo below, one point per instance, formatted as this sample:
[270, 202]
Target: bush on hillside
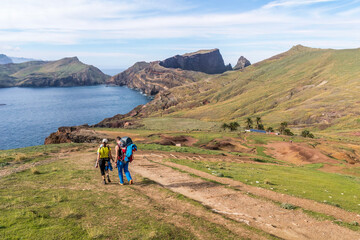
[224, 126]
[283, 127]
[249, 123]
[270, 129]
[233, 126]
[307, 134]
[288, 132]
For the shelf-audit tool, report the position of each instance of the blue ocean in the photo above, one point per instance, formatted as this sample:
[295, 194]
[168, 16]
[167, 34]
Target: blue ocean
[29, 115]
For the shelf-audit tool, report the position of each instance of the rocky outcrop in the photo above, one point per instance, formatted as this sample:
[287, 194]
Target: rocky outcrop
[121, 120]
[66, 72]
[78, 134]
[206, 61]
[5, 59]
[154, 77]
[242, 63]
[151, 78]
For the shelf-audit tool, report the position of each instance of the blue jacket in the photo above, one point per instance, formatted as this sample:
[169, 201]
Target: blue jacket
[129, 152]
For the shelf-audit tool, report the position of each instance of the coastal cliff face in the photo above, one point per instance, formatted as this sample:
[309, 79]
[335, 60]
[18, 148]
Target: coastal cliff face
[206, 61]
[66, 72]
[242, 63]
[151, 78]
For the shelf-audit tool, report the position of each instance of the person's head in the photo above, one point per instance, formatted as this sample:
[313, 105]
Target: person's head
[118, 139]
[104, 141]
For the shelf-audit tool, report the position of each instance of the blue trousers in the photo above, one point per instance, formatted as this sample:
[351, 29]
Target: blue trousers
[123, 167]
[108, 166]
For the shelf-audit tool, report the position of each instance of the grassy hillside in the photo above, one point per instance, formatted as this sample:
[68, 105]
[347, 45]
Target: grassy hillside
[64, 72]
[303, 86]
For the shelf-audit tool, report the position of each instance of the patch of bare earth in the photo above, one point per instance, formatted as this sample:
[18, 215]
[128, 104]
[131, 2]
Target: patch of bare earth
[228, 144]
[297, 153]
[169, 140]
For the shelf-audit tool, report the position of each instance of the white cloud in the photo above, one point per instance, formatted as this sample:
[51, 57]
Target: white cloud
[73, 22]
[292, 3]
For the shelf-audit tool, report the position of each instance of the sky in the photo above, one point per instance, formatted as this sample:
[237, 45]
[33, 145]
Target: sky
[114, 34]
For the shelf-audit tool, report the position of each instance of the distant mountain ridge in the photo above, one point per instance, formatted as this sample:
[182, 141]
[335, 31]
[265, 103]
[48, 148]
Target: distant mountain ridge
[5, 59]
[22, 59]
[154, 77]
[61, 73]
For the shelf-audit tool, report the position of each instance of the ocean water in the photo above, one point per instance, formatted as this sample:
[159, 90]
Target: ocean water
[31, 114]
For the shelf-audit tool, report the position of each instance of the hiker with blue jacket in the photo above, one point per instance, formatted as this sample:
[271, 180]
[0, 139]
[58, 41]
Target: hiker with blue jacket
[124, 153]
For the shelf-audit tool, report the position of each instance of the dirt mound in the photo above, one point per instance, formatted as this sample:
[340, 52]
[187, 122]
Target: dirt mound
[227, 144]
[297, 153]
[175, 140]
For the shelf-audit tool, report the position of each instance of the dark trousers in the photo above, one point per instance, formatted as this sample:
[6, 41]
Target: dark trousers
[102, 164]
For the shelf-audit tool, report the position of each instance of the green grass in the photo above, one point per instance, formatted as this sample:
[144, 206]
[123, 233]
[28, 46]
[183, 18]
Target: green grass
[40, 206]
[180, 124]
[36, 153]
[260, 152]
[60, 201]
[305, 182]
[166, 148]
[323, 217]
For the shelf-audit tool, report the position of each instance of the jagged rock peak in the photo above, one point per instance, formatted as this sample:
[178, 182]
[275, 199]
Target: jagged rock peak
[206, 61]
[242, 63]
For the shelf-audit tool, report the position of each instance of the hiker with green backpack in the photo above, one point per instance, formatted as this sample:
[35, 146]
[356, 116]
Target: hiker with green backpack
[124, 153]
[103, 160]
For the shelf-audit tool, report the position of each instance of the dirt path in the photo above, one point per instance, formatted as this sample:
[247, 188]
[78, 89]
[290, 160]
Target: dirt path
[236, 205]
[327, 209]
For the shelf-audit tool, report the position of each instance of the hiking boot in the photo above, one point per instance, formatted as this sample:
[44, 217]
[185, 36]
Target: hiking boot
[109, 180]
[131, 182]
